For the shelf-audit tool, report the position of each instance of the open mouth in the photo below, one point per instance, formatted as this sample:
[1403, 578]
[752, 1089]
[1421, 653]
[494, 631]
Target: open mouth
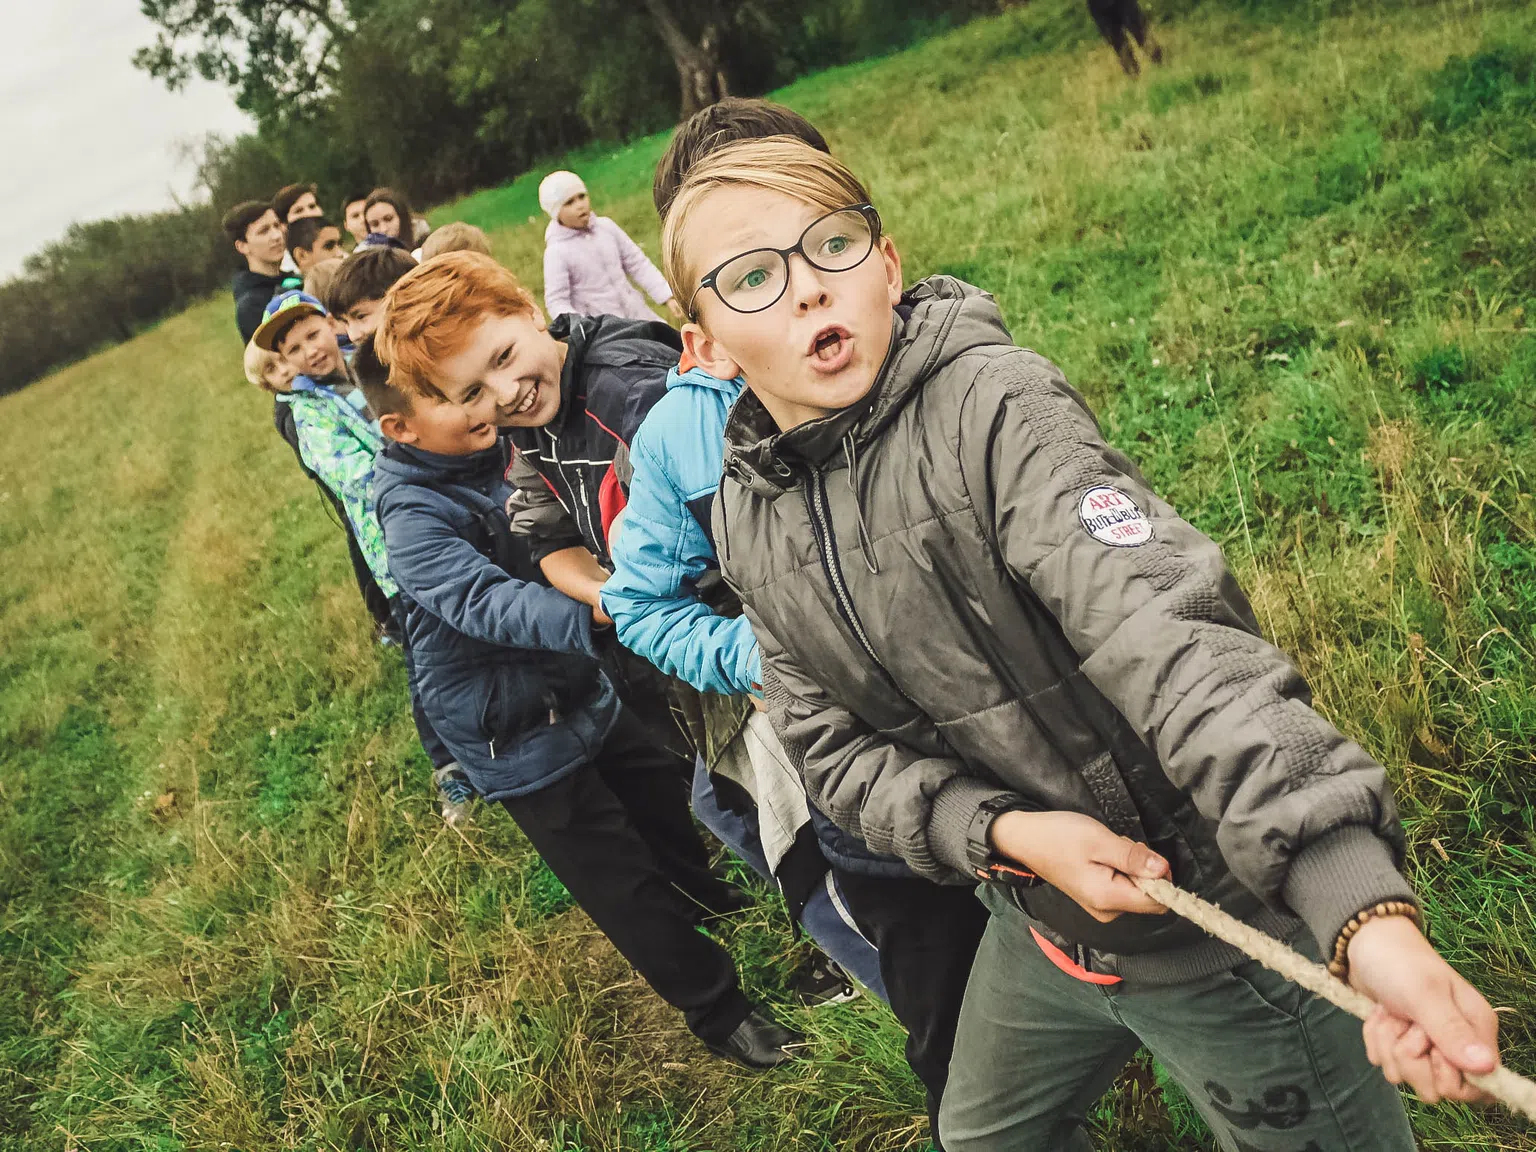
[832, 349]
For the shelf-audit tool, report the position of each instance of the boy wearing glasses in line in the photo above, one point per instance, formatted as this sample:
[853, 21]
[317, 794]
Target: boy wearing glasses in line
[1006, 658]
[669, 604]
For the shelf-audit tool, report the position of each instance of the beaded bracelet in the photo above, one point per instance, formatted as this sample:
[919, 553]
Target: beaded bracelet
[1339, 965]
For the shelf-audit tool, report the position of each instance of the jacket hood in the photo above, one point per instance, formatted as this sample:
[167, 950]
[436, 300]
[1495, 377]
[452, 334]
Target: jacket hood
[698, 378]
[938, 320]
[403, 464]
[602, 341]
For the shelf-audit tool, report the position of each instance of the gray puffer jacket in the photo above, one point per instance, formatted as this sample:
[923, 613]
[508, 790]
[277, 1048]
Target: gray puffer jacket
[968, 596]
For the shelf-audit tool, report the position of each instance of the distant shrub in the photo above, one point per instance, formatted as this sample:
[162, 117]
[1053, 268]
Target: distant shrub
[101, 283]
[1501, 78]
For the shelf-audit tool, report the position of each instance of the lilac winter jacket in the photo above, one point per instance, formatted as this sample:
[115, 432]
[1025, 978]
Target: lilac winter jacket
[588, 271]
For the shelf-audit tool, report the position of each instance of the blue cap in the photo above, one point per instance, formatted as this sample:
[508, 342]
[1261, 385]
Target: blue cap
[281, 312]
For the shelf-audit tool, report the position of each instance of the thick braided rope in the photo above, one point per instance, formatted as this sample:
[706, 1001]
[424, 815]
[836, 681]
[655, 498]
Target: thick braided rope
[1510, 1088]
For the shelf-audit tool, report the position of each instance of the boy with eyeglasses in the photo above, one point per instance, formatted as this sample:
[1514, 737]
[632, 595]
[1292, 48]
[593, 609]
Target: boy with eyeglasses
[670, 605]
[1006, 658]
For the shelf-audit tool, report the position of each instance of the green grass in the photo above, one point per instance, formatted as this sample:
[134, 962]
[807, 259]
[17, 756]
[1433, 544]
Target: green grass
[1293, 270]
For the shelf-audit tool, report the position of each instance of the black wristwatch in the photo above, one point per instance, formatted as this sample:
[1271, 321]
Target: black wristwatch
[985, 862]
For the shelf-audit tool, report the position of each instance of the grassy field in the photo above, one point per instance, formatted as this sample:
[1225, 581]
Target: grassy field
[1293, 270]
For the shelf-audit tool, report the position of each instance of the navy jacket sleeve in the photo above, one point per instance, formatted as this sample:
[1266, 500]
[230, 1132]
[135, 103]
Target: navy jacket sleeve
[439, 568]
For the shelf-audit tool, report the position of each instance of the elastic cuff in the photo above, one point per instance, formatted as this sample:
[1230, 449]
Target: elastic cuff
[953, 808]
[540, 547]
[1336, 876]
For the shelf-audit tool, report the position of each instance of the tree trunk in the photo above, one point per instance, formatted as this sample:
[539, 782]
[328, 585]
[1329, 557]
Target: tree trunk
[699, 74]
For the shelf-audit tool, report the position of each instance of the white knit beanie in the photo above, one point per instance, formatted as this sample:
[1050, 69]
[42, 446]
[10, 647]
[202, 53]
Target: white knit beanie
[558, 187]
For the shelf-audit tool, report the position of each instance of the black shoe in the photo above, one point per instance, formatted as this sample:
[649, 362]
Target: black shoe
[821, 980]
[758, 1043]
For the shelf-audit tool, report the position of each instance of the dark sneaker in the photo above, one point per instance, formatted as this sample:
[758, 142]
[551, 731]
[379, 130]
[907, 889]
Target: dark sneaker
[454, 793]
[758, 1043]
[821, 980]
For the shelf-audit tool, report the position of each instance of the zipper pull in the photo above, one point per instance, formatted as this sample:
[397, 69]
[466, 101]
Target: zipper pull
[493, 749]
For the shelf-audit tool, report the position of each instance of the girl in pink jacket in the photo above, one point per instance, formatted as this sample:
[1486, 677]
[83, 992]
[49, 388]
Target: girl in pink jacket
[589, 260]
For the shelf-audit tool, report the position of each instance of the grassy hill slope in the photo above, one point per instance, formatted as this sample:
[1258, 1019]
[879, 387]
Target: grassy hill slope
[1293, 270]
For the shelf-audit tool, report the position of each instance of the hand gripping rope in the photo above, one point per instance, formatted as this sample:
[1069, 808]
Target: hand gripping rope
[1509, 1088]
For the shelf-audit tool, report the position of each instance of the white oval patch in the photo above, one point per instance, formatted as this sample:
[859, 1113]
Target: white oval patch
[1112, 517]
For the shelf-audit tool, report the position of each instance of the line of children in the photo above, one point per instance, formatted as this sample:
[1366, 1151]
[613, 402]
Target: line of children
[572, 393]
[1002, 656]
[986, 649]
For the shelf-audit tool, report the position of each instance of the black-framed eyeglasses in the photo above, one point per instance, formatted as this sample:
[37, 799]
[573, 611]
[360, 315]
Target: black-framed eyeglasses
[755, 281]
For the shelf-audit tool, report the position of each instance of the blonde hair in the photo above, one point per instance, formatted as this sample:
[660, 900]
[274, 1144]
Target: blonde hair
[257, 362]
[455, 237]
[782, 164]
[320, 277]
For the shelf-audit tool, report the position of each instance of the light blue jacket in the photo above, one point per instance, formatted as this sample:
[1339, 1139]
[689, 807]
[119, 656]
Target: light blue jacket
[663, 549]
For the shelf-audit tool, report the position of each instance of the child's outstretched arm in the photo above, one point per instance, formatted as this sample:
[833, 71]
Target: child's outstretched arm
[1305, 818]
[1433, 1025]
[638, 267]
[441, 570]
[657, 561]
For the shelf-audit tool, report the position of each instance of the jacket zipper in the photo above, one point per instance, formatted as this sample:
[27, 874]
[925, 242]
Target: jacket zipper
[826, 543]
[577, 487]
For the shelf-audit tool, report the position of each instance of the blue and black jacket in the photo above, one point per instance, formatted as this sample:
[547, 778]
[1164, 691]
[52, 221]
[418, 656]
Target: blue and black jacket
[506, 667]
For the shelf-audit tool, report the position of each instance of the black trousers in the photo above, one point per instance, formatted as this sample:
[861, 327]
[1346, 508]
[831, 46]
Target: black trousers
[431, 743]
[619, 836]
[927, 935]
[647, 692]
[1117, 17]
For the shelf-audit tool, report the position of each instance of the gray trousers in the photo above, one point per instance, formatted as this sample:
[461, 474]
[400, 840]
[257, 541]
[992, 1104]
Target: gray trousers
[1271, 1068]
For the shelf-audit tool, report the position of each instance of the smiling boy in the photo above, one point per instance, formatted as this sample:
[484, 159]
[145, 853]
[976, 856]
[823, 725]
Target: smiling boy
[994, 677]
[510, 668]
[570, 395]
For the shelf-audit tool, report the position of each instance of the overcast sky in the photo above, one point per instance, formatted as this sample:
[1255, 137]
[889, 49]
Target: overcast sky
[83, 133]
